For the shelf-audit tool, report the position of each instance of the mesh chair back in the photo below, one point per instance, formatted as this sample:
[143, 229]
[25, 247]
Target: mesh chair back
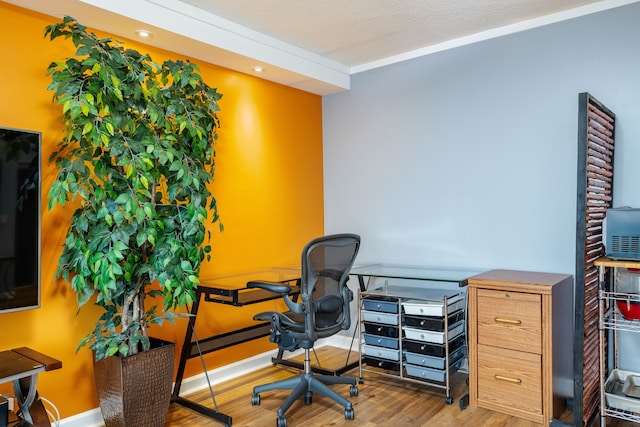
[326, 263]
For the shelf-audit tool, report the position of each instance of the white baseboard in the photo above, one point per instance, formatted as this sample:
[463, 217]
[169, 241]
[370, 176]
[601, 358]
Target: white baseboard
[93, 417]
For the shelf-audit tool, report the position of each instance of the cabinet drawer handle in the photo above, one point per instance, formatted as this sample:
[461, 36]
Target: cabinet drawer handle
[511, 380]
[510, 321]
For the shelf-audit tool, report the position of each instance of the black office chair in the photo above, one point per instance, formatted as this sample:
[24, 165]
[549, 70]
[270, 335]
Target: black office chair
[322, 310]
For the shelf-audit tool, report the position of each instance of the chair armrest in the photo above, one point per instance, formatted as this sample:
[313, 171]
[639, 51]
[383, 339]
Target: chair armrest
[275, 287]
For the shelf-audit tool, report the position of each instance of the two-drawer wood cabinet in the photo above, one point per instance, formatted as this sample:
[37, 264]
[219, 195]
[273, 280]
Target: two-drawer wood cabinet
[520, 331]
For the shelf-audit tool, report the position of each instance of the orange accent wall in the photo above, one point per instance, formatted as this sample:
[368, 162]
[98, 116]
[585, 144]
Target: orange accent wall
[268, 184]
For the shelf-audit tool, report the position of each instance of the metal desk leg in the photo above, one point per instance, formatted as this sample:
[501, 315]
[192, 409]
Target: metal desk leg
[186, 350]
[25, 402]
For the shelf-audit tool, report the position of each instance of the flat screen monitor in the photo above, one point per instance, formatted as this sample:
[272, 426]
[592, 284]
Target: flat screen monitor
[20, 154]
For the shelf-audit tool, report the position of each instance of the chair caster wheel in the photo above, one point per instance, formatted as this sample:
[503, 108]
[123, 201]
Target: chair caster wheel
[353, 390]
[308, 399]
[448, 400]
[255, 399]
[349, 414]
[281, 422]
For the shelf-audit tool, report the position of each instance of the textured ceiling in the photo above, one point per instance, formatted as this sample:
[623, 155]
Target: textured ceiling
[314, 45]
[355, 32]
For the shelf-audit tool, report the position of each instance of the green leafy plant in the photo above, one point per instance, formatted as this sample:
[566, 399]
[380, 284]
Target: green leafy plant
[138, 155]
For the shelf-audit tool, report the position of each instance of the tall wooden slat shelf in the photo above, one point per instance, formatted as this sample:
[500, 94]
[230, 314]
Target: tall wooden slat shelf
[596, 141]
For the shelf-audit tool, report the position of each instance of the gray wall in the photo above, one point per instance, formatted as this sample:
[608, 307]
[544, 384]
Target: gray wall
[467, 157]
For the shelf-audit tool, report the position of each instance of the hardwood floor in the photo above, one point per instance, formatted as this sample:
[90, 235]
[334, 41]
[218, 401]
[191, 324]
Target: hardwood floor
[381, 401]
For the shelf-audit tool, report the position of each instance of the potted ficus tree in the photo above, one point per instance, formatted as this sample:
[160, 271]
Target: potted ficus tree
[135, 163]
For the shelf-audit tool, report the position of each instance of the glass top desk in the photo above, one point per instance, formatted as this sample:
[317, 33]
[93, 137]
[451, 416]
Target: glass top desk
[232, 288]
[228, 289]
[435, 275]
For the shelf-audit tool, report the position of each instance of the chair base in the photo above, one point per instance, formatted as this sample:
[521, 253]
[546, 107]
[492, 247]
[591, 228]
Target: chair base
[304, 385]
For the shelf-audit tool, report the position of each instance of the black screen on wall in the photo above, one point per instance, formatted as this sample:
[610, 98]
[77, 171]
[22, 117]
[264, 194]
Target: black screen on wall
[19, 219]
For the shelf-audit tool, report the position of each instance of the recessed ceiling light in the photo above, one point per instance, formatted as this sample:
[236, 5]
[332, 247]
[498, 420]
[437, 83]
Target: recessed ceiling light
[143, 33]
[258, 69]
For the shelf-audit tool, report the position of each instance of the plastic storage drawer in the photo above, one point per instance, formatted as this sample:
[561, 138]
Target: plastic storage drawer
[384, 364]
[381, 352]
[380, 304]
[430, 322]
[428, 373]
[384, 330]
[432, 336]
[379, 317]
[430, 349]
[432, 361]
[381, 341]
[428, 308]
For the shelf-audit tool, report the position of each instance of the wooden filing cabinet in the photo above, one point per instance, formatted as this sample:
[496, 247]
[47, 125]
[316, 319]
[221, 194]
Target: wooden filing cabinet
[520, 330]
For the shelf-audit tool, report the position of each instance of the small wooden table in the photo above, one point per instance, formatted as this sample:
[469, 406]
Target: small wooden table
[22, 366]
